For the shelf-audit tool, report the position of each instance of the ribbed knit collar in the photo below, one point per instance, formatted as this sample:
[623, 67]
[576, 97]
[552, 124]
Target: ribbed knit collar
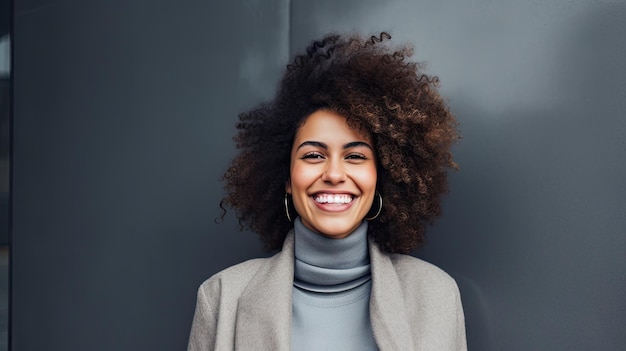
[330, 265]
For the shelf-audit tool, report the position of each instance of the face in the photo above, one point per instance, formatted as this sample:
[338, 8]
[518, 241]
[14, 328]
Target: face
[332, 175]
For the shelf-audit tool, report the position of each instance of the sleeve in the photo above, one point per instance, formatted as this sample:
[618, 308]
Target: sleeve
[204, 325]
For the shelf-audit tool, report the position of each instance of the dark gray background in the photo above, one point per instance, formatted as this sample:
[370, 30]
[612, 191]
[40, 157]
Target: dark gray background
[124, 112]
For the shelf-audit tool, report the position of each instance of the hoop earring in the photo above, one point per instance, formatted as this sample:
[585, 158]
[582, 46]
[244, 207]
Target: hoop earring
[380, 207]
[287, 207]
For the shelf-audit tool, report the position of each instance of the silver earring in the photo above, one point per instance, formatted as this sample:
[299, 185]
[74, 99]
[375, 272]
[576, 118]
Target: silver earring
[380, 207]
[287, 207]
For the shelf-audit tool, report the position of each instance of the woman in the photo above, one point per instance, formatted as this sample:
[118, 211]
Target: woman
[342, 170]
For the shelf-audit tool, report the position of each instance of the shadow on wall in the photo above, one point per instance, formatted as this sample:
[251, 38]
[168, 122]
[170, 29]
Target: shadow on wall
[533, 229]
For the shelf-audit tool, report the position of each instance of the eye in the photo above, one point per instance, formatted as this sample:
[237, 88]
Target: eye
[312, 156]
[356, 157]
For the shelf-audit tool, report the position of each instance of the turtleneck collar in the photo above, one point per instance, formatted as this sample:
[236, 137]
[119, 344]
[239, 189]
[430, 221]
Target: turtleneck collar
[321, 251]
[326, 265]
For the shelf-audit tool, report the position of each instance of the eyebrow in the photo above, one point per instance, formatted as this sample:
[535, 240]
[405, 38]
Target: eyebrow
[346, 146]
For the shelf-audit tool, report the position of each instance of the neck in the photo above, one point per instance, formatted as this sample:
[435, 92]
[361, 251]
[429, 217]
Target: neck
[330, 265]
[321, 251]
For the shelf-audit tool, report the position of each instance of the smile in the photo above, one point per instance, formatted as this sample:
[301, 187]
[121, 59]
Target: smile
[340, 199]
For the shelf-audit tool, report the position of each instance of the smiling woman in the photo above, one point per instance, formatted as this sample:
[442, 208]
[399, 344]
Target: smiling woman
[352, 125]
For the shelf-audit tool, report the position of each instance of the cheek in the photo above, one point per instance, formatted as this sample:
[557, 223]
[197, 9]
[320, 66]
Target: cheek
[302, 177]
[366, 179]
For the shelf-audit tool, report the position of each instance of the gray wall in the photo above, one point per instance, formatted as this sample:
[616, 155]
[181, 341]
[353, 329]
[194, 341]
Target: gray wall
[124, 112]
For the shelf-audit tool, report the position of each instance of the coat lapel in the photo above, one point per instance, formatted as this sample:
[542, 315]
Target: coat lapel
[388, 314]
[264, 309]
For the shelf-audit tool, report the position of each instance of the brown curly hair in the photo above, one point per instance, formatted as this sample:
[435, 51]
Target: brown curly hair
[379, 91]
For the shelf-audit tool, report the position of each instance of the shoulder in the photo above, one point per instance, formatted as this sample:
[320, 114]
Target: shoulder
[232, 281]
[418, 275]
[409, 266]
[234, 278]
[429, 297]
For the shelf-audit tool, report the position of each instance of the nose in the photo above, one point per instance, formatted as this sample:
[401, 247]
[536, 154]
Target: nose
[334, 173]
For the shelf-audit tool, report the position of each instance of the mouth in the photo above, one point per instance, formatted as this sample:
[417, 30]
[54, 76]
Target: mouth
[333, 199]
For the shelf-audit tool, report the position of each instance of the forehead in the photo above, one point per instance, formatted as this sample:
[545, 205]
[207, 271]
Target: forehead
[327, 124]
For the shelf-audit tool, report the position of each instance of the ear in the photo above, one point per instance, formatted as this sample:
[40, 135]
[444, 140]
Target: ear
[288, 186]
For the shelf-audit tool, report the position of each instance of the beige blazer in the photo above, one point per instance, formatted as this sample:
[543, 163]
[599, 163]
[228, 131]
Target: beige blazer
[413, 305]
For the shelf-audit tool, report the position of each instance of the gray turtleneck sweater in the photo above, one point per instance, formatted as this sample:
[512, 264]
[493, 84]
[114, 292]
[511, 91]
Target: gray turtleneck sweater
[331, 291]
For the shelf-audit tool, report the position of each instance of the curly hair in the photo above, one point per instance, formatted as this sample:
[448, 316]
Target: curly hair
[377, 90]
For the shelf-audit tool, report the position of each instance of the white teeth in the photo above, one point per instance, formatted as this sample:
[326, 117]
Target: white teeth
[333, 199]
